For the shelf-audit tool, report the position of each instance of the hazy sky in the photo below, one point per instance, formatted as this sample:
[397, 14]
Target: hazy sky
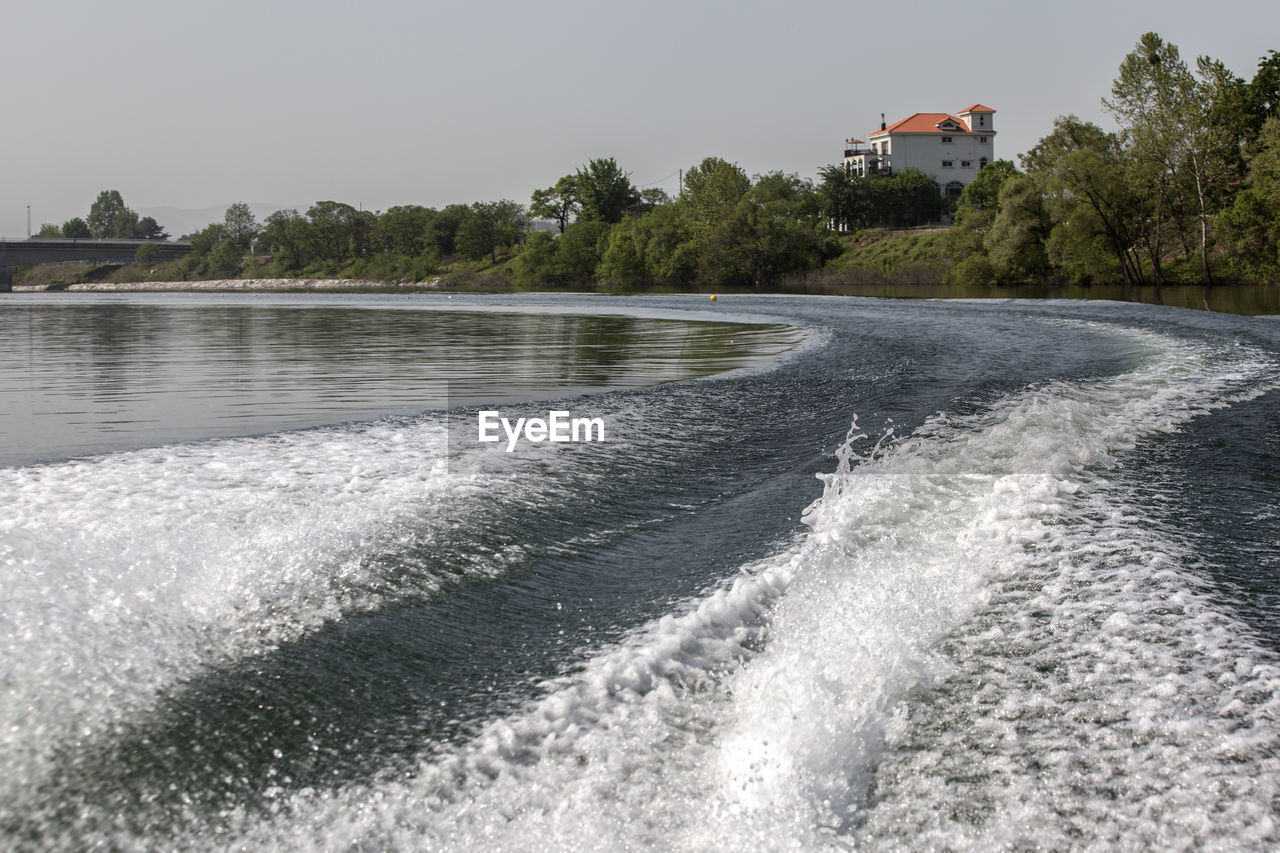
[384, 102]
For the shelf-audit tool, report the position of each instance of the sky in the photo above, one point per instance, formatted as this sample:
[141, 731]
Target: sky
[383, 102]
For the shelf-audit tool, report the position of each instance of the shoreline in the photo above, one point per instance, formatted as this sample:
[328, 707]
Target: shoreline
[256, 285]
[1246, 300]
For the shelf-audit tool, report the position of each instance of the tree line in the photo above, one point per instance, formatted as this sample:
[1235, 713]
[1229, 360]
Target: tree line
[1187, 188]
[108, 219]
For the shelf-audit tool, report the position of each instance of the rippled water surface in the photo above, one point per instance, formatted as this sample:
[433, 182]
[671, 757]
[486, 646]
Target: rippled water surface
[86, 375]
[953, 575]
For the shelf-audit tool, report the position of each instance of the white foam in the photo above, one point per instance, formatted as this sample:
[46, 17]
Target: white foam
[758, 717]
[126, 573]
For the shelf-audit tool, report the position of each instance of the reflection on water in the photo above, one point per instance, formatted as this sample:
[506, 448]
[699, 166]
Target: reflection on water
[86, 377]
[1248, 300]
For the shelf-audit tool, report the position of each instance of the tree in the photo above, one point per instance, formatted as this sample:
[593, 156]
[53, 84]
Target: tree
[604, 191]
[656, 246]
[76, 228]
[843, 197]
[558, 203]
[443, 231]
[1251, 226]
[1174, 152]
[241, 225]
[287, 235]
[983, 192]
[910, 198]
[204, 240]
[1081, 170]
[49, 230]
[1015, 241]
[1264, 92]
[711, 188]
[339, 231]
[490, 226]
[651, 197]
[149, 229]
[404, 230]
[108, 216]
[225, 260]
[777, 229]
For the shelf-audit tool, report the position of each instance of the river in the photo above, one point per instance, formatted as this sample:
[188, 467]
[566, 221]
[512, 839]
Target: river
[842, 572]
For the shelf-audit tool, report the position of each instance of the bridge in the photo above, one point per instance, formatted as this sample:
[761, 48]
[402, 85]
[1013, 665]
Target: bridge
[17, 253]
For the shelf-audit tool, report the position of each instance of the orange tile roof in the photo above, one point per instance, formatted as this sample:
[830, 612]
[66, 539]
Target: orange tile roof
[978, 108]
[923, 123]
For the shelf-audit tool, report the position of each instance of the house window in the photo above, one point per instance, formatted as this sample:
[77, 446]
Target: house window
[946, 140]
[982, 121]
[982, 140]
[982, 164]
[966, 164]
[947, 164]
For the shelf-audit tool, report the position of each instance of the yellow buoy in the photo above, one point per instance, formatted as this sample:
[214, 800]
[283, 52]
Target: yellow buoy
[713, 297]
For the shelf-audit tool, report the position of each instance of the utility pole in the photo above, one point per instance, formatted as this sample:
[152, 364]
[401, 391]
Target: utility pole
[28, 222]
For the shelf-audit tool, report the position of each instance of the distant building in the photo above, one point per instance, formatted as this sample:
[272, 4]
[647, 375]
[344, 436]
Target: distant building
[952, 148]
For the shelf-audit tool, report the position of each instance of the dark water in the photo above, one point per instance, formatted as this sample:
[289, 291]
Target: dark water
[1248, 300]
[1031, 599]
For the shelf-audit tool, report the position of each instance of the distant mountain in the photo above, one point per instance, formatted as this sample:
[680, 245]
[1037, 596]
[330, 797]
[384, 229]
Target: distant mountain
[180, 222]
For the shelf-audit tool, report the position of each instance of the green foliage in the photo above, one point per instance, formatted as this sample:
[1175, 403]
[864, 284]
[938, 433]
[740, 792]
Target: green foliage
[404, 230]
[339, 232]
[604, 192]
[1250, 229]
[225, 260]
[76, 228]
[579, 249]
[108, 216]
[843, 197]
[149, 229]
[1263, 93]
[851, 202]
[648, 249]
[976, 270]
[983, 192]
[490, 226]
[49, 230]
[892, 251]
[203, 241]
[146, 253]
[911, 198]
[572, 258]
[1015, 242]
[241, 225]
[443, 232]
[1082, 172]
[286, 235]
[711, 189]
[558, 203]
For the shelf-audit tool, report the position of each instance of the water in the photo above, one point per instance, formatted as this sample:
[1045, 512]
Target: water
[964, 575]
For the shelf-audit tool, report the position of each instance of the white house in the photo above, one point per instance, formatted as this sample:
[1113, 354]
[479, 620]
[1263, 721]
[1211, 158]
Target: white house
[952, 148]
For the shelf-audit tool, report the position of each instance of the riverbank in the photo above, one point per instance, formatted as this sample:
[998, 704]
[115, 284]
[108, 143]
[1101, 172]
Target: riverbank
[1248, 300]
[231, 284]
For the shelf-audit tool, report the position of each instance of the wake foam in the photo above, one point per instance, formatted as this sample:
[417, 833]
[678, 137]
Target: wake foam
[987, 559]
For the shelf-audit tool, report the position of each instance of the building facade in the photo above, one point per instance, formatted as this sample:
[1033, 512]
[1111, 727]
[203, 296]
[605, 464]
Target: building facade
[952, 148]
